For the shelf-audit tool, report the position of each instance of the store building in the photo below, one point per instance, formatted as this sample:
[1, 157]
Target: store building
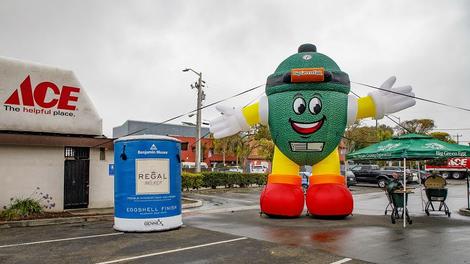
[51, 142]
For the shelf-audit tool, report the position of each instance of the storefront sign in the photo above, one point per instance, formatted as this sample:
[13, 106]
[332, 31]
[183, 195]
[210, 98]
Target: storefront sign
[40, 98]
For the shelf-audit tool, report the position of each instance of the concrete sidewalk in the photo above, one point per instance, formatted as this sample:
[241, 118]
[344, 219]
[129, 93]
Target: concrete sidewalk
[84, 215]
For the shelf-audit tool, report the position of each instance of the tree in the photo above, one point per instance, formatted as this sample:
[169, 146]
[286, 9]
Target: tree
[384, 132]
[265, 144]
[226, 146]
[266, 148]
[241, 145]
[418, 126]
[358, 137]
[444, 136]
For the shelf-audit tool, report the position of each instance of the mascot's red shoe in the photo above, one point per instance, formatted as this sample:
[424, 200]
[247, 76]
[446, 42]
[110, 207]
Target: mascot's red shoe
[282, 196]
[328, 196]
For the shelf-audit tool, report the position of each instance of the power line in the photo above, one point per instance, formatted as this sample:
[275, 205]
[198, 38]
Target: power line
[400, 125]
[411, 96]
[458, 136]
[451, 129]
[190, 112]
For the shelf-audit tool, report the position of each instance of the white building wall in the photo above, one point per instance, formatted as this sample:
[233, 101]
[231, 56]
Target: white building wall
[24, 168]
[101, 184]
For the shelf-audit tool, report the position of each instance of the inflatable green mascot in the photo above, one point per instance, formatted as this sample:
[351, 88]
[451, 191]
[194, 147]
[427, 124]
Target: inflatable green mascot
[307, 107]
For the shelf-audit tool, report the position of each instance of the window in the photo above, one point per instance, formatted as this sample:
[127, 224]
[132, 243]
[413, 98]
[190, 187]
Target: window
[184, 146]
[76, 153]
[102, 154]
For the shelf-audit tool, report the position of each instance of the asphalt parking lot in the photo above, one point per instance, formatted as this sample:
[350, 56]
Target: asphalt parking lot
[98, 243]
[229, 229]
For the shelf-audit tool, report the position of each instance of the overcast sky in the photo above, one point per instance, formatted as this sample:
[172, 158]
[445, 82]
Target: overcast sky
[129, 55]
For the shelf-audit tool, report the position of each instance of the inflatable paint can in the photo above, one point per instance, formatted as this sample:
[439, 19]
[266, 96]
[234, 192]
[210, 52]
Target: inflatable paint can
[147, 183]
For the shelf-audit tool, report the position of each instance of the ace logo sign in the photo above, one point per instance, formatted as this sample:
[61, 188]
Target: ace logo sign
[45, 99]
[41, 98]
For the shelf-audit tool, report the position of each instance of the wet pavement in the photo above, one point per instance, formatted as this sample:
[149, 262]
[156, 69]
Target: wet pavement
[368, 235]
[229, 229]
[375, 203]
[97, 242]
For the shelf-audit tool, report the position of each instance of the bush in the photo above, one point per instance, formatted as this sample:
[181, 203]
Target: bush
[191, 181]
[226, 179]
[21, 208]
[25, 207]
[212, 179]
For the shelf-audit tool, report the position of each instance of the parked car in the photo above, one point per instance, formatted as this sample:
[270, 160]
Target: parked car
[305, 179]
[411, 174]
[192, 165]
[423, 174]
[229, 169]
[350, 178]
[371, 173]
[258, 169]
[366, 173]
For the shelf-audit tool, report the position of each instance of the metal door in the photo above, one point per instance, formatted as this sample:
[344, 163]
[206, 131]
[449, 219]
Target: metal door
[76, 180]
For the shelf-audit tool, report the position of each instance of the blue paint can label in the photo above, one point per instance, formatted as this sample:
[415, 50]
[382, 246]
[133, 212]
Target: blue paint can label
[147, 184]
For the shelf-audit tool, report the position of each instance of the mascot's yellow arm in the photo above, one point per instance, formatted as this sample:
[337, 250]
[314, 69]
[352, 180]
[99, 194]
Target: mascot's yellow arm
[251, 114]
[365, 108]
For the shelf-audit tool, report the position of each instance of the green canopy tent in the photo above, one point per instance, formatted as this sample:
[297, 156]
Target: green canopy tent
[410, 147]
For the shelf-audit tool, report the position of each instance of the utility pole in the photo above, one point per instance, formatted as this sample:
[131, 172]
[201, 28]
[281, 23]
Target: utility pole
[198, 124]
[200, 97]
[377, 130]
[458, 136]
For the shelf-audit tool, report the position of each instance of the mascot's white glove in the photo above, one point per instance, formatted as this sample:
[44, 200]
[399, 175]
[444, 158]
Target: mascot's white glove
[230, 123]
[391, 102]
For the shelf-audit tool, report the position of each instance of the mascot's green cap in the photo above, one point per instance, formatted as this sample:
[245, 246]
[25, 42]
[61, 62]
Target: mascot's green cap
[308, 70]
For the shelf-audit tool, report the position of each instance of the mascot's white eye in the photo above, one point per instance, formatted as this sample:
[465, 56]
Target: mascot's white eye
[315, 105]
[299, 105]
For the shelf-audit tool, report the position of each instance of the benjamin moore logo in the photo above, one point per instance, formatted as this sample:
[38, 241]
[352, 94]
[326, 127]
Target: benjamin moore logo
[44, 96]
[153, 150]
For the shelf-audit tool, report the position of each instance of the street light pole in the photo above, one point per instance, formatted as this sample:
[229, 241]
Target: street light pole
[198, 118]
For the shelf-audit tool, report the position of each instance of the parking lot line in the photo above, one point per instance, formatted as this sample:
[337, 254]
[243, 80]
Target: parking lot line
[228, 199]
[341, 261]
[172, 251]
[58, 240]
[220, 210]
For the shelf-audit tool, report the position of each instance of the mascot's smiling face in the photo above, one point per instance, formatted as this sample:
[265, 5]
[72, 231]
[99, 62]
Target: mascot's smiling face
[312, 106]
[306, 125]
